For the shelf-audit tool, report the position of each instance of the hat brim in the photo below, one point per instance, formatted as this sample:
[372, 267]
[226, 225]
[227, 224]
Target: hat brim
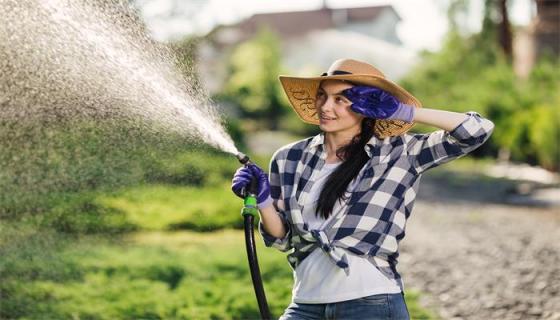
[301, 92]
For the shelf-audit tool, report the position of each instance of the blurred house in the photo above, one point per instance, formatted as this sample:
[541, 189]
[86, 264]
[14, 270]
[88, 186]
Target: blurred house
[541, 37]
[312, 40]
[547, 27]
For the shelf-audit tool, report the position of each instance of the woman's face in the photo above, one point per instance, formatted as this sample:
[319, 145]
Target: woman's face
[335, 115]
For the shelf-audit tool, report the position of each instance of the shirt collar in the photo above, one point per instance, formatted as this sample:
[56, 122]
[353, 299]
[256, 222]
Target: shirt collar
[319, 140]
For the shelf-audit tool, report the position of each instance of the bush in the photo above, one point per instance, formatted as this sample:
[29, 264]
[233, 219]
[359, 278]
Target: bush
[203, 167]
[463, 77]
[163, 207]
[39, 160]
[82, 213]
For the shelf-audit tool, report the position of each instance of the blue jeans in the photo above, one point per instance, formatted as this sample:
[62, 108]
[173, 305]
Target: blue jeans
[385, 306]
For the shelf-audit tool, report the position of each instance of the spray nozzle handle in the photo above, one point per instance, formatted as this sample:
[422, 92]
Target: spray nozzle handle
[253, 187]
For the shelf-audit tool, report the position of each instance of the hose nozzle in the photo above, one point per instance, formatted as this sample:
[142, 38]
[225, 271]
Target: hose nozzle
[243, 158]
[253, 186]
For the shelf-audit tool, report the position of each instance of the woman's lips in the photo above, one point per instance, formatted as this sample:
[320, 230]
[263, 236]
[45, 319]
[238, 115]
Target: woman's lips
[326, 119]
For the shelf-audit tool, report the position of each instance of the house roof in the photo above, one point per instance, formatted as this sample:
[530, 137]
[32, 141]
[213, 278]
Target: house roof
[294, 23]
[298, 22]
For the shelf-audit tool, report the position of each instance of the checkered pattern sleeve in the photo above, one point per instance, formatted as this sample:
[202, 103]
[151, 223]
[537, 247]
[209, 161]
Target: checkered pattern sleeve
[282, 244]
[429, 150]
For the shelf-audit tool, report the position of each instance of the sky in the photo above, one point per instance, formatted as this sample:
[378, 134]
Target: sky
[423, 22]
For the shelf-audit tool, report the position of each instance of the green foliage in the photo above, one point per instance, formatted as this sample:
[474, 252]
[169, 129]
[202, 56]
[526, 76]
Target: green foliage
[25, 249]
[195, 167]
[414, 308]
[234, 130]
[43, 164]
[173, 275]
[181, 194]
[470, 73]
[40, 162]
[81, 213]
[253, 83]
[160, 207]
[293, 124]
[79, 259]
[186, 52]
[543, 134]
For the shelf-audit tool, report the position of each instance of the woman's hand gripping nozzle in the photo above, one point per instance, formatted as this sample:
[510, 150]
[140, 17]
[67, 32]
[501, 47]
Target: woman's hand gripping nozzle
[251, 183]
[250, 192]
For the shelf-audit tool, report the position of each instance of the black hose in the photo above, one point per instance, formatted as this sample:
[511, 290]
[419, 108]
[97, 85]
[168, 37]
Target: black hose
[251, 247]
[254, 267]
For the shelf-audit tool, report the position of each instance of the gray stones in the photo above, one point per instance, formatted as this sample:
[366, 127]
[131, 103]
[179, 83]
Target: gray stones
[484, 261]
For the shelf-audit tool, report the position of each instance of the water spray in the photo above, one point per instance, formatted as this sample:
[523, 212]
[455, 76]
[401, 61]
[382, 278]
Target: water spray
[249, 212]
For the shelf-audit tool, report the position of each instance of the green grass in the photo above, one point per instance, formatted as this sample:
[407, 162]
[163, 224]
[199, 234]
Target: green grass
[144, 275]
[143, 252]
[416, 311]
[212, 207]
[169, 207]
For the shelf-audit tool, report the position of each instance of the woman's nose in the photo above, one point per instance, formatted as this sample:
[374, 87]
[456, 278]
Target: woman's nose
[328, 105]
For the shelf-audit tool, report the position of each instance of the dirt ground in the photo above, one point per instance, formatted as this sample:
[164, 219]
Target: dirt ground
[480, 249]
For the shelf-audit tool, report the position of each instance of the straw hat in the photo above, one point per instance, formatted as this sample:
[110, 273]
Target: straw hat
[301, 93]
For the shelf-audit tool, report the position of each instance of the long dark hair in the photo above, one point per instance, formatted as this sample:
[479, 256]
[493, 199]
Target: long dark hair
[354, 157]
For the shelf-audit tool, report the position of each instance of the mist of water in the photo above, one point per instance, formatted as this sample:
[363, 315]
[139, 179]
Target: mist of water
[65, 60]
[89, 105]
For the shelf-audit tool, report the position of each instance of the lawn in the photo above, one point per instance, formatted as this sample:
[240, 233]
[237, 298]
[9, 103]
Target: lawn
[144, 275]
[169, 248]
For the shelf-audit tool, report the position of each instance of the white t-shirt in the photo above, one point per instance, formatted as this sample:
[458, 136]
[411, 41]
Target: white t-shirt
[317, 279]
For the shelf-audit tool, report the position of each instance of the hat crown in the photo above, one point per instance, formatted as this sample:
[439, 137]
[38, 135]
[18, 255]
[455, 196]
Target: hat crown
[354, 67]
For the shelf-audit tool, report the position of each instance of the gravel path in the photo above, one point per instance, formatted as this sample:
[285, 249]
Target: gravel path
[482, 260]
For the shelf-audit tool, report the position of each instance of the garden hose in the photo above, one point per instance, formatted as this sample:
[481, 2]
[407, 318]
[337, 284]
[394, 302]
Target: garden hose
[249, 212]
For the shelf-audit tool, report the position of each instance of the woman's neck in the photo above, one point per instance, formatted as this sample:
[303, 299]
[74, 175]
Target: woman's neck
[335, 140]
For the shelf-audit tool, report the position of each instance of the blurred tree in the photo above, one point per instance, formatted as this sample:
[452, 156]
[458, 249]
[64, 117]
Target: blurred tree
[505, 35]
[496, 27]
[253, 82]
[473, 72]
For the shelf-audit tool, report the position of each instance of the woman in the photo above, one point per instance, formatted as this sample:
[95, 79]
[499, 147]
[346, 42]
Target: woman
[349, 190]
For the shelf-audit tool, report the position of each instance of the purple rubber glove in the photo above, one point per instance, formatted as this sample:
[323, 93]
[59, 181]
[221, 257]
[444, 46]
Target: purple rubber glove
[242, 179]
[376, 103]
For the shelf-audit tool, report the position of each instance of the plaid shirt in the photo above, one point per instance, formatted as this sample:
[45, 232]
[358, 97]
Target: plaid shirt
[372, 222]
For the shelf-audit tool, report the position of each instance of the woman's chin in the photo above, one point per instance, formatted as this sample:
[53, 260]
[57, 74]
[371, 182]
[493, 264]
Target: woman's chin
[331, 126]
[327, 128]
